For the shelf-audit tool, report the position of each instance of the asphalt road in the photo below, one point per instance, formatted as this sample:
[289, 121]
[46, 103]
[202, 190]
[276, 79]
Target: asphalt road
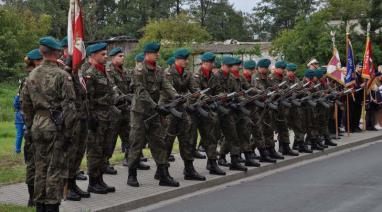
[350, 182]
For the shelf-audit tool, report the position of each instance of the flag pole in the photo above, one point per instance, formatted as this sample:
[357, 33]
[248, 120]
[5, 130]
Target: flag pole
[365, 84]
[347, 95]
[333, 34]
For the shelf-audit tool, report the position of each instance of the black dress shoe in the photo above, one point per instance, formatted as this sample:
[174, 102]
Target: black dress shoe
[81, 176]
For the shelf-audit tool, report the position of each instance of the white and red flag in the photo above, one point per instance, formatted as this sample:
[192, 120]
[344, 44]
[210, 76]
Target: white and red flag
[76, 45]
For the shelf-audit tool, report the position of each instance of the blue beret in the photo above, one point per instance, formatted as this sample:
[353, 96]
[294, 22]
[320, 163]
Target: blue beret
[291, 67]
[218, 62]
[64, 42]
[208, 56]
[249, 64]
[228, 60]
[264, 63]
[151, 47]
[50, 42]
[324, 70]
[181, 53]
[281, 64]
[319, 73]
[309, 73]
[140, 57]
[34, 54]
[170, 61]
[115, 51]
[360, 63]
[96, 47]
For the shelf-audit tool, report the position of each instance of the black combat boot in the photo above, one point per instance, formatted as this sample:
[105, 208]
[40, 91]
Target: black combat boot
[132, 178]
[249, 160]
[296, 145]
[52, 207]
[143, 158]
[264, 156]
[321, 143]
[190, 173]
[79, 191]
[125, 162]
[241, 159]
[304, 148]
[171, 158]
[30, 192]
[222, 161]
[109, 189]
[315, 146]
[81, 175]
[40, 207]
[329, 142]
[164, 177]
[213, 167]
[199, 155]
[236, 165]
[254, 155]
[72, 195]
[109, 170]
[142, 166]
[273, 154]
[287, 150]
[95, 187]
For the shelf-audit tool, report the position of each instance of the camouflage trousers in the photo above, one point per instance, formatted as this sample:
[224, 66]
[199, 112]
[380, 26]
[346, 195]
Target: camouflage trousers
[149, 128]
[120, 128]
[310, 122]
[97, 146]
[77, 147]
[29, 158]
[280, 125]
[295, 122]
[206, 128]
[236, 131]
[268, 131]
[258, 140]
[50, 162]
[323, 120]
[180, 128]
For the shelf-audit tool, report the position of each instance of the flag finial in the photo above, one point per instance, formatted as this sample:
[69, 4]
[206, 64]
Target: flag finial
[333, 34]
[368, 29]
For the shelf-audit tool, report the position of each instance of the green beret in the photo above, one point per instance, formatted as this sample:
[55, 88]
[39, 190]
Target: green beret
[208, 56]
[291, 67]
[115, 51]
[218, 62]
[309, 73]
[324, 70]
[170, 61]
[249, 64]
[181, 53]
[151, 47]
[140, 57]
[264, 63]
[50, 42]
[228, 60]
[97, 47]
[319, 73]
[237, 60]
[34, 54]
[281, 64]
[64, 42]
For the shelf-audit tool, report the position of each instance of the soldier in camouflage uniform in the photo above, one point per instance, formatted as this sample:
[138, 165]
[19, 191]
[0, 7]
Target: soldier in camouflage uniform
[101, 97]
[146, 116]
[79, 129]
[207, 127]
[279, 119]
[48, 113]
[263, 82]
[295, 115]
[183, 82]
[122, 79]
[32, 60]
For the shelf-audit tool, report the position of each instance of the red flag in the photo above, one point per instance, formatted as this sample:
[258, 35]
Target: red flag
[76, 45]
[334, 67]
[368, 71]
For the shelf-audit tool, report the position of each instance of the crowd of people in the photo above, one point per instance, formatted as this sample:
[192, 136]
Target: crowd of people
[230, 106]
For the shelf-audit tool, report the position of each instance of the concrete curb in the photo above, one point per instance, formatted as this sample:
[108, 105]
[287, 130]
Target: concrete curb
[148, 200]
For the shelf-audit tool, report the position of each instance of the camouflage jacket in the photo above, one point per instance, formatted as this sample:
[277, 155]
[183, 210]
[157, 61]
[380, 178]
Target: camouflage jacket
[149, 84]
[48, 88]
[100, 94]
[120, 77]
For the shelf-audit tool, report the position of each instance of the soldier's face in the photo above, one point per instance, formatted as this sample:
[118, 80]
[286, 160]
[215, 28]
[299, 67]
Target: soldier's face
[279, 71]
[235, 68]
[263, 70]
[118, 59]
[207, 65]
[37, 62]
[291, 74]
[182, 62]
[314, 66]
[152, 56]
[100, 57]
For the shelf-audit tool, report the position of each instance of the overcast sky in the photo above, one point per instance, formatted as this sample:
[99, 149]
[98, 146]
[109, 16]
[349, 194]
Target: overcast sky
[244, 5]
